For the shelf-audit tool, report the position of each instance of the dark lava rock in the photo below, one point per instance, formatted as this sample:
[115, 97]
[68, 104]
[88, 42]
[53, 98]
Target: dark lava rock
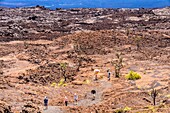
[37, 20]
[4, 108]
[30, 108]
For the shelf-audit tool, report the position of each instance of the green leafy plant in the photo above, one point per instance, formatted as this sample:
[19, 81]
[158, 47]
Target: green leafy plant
[133, 76]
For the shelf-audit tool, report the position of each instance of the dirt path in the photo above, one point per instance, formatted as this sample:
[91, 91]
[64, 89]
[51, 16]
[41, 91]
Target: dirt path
[102, 85]
[53, 109]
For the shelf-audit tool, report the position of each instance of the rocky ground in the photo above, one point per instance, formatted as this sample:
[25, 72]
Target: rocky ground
[35, 41]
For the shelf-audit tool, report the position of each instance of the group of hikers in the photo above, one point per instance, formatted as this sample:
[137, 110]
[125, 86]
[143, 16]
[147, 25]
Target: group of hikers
[65, 101]
[75, 97]
[96, 71]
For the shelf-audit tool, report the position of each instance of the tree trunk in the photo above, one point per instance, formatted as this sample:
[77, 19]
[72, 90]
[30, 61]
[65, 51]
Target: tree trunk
[65, 78]
[154, 101]
[117, 73]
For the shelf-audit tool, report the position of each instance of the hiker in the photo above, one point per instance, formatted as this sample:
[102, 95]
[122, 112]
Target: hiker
[94, 94]
[96, 71]
[66, 101]
[46, 103]
[95, 77]
[108, 74]
[75, 98]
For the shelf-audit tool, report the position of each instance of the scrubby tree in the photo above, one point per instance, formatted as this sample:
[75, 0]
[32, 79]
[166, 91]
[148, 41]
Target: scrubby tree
[137, 40]
[63, 67]
[154, 94]
[77, 47]
[79, 63]
[118, 64]
[127, 32]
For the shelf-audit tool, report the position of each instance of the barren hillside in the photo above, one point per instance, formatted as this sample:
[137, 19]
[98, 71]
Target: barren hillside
[34, 42]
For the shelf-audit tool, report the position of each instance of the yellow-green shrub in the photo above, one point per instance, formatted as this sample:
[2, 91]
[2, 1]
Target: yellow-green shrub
[126, 109]
[53, 84]
[61, 82]
[87, 81]
[123, 110]
[133, 76]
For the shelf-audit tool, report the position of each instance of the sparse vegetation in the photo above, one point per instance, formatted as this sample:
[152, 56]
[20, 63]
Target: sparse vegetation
[77, 47]
[63, 67]
[152, 108]
[126, 109]
[154, 94]
[123, 110]
[133, 76]
[62, 83]
[53, 84]
[119, 111]
[55, 56]
[118, 64]
[137, 40]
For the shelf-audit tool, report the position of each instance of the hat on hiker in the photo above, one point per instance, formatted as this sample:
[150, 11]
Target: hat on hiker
[96, 71]
[93, 91]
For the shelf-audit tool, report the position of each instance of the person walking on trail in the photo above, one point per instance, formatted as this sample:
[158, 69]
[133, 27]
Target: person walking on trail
[96, 71]
[93, 92]
[66, 101]
[108, 74]
[46, 103]
[75, 98]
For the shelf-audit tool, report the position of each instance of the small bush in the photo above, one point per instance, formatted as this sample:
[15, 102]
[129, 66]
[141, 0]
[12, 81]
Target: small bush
[126, 109]
[64, 85]
[168, 96]
[123, 110]
[133, 76]
[119, 111]
[61, 82]
[53, 84]
[87, 81]
[152, 108]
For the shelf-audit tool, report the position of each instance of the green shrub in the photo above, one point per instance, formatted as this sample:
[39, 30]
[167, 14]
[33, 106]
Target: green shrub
[152, 108]
[65, 85]
[126, 109]
[119, 111]
[87, 81]
[123, 110]
[168, 96]
[53, 84]
[133, 76]
[61, 82]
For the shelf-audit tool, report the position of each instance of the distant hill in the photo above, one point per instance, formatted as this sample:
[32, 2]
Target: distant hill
[87, 3]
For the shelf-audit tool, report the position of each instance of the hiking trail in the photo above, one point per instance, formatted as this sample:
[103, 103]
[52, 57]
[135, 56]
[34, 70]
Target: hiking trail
[102, 85]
